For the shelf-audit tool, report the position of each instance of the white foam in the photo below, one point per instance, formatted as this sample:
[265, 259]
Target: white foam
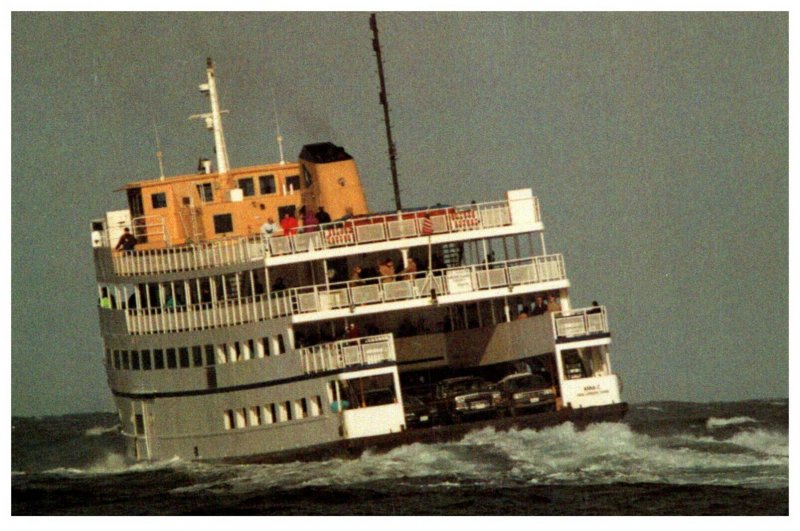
[101, 430]
[714, 422]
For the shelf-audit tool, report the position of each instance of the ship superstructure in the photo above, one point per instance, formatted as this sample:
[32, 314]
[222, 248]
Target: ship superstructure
[229, 334]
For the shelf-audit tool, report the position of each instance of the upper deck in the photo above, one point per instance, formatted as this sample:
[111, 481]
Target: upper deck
[518, 213]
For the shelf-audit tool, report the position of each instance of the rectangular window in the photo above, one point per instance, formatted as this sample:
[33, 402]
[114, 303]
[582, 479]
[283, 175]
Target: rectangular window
[236, 354]
[280, 344]
[249, 351]
[197, 356]
[266, 184]
[302, 408]
[206, 192]
[222, 353]
[125, 364]
[146, 363]
[223, 223]
[117, 362]
[275, 412]
[172, 361]
[292, 183]
[252, 416]
[135, 360]
[288, 406]
[264, 346]
[158, 358]
[183, 354]
[241, 418]
[159, 200]
[228, 419]
[246, 184]
[316, 406]
[210, 355]
[139, 424]
[268, 414]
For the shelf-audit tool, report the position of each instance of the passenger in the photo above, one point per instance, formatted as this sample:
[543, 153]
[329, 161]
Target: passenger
[278, 285]
[355, 276]
[553, 305]
[170, 304]
[309, 220]
[322, 216]
[352, 331]
[410, 271]
[127, 242]
[289, 224]
[523, 314]
[386, 270]
[595, 308]
[539, 306]
[106, 301]
[268, 229]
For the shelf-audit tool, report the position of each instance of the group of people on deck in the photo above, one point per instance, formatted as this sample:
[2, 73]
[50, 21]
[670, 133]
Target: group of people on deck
[385, 271]
[290, 225]
[541, 306]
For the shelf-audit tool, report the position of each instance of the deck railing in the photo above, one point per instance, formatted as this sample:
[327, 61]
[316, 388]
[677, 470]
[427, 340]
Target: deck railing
[580, 322]
[362, 351]
[351, 294]
[337, 234]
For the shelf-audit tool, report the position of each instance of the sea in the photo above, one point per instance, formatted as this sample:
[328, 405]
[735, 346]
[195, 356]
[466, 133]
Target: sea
[665, 458]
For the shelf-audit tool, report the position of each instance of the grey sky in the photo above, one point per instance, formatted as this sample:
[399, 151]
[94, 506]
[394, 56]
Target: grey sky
[656, 143]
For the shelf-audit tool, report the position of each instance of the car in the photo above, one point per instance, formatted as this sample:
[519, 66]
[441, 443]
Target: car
[467, 396]
[526, 392]
[418, 412]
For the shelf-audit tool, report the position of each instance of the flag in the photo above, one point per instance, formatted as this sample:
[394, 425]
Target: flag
[427, 226]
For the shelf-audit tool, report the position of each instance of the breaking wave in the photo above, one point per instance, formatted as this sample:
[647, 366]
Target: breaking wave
[101, 430]
[714, 422]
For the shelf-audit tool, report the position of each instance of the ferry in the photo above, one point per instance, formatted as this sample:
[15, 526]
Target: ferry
[264, 313]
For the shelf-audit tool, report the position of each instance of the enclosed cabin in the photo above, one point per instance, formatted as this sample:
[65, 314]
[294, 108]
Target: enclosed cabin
[208, 206]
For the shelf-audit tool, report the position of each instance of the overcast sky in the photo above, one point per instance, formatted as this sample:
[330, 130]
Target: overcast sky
[656, 143]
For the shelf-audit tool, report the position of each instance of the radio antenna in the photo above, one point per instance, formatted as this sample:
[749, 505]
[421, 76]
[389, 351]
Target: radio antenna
[159, 154]
[278, 135]
[376, 45]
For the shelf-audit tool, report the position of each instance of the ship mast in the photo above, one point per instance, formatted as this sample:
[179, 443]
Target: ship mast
[214, 118]
[376, 45]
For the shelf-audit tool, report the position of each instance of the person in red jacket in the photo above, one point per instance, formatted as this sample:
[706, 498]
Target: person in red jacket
[289, 224]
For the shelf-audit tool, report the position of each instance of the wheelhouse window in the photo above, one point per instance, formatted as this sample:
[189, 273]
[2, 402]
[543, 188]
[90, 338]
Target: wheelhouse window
[292, 183]
[206, 192]
[159, 200]
[247, 186]
[266, 184]
[307, 178]
[223, 223]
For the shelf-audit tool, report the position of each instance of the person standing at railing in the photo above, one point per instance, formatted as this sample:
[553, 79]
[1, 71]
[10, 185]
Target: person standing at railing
[309, 220]
[355, 276]
[322, 216]
[410, 271]
[268, 229]
[352, 331]
[289, 224]
[539, 306]
[553, 305]
[127, 241]
[386, 270]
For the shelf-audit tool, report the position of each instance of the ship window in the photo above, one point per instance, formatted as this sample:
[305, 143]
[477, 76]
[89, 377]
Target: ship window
[228, 418]
[292, 183]
[266, 412]
[184, 357]
[247, 186]
[172, 362]
[210, 355]
[117, 363]
[206, 192]
[139, 424]
[197, 356]
[307, 177]
[287, 406]
[274, 412]
[222, 353]
[236, 354]
[135, 360]
[223, 223]
[281, 345]
[159, 200]
[146, 363]
[316, 406]
[125, 364]
[266, 184]
[158, 358]
[302, 408]
[370, 391]
[265, 346]
[241, 418]
[252, 416]
[249, 352]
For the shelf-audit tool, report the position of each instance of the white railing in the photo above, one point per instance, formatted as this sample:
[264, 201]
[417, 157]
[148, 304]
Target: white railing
[351, 294]
[370, 350]
[352, 232]
[580, 322]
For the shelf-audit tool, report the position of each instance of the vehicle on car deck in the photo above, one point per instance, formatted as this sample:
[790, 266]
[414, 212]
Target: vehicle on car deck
[419, 413]
[526, 392]
[467, 396]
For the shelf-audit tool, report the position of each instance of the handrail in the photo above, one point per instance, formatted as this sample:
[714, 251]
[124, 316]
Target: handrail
[349, 294]
[336, 234]
[369, 350]
[580, 322]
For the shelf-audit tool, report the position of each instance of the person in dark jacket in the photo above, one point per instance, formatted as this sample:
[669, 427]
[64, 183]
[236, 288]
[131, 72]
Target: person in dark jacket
[539, 306]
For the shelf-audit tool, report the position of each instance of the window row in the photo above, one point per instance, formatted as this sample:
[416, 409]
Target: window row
[267, 185]
[248, 417]
[197, 355]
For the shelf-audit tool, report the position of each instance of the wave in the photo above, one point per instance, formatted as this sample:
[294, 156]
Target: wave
[101, 430]
[714, 422]
[113, 463]
[600, 454]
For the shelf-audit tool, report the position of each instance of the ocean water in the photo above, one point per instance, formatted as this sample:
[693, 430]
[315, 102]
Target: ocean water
[665, 458]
